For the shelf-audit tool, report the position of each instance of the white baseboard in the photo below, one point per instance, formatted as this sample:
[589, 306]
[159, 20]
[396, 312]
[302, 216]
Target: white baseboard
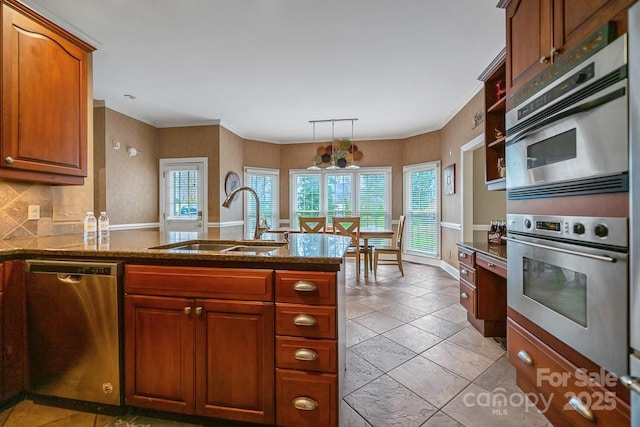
[453, 272]
[136, 226]
[225, 224]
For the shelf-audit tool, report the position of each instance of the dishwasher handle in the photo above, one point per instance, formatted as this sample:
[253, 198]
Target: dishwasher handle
[68, 268]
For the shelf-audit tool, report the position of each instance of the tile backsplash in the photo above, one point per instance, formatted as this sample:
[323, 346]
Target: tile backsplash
[15, 198]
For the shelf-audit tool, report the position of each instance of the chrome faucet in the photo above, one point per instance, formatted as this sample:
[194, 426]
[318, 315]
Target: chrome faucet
[260, 227]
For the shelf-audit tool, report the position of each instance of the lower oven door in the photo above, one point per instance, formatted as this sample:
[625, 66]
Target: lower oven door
[577, 294]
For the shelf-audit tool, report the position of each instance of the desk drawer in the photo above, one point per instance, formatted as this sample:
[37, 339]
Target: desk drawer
[468, 297]
[466, 256]
[310, 321]
[492, 264]
[307, 354]
[468, 274]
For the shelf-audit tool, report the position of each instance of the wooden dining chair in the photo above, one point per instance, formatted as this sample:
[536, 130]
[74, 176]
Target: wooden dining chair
[313, 224]
[395, 249]
[350, 227]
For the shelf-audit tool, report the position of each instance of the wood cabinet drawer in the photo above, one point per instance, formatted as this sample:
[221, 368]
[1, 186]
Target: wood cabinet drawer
[306, 321]
[466, 256]
[555, 377]
[468, 297]
[468, 274]
[305, 287]
[221, 283]
[307, 354]
[306, 399]
[492, 264]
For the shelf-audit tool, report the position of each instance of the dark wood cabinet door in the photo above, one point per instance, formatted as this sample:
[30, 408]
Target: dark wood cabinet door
[159, 348]
[13, 318]
[235, 360]
[529, 39]
[44, 99]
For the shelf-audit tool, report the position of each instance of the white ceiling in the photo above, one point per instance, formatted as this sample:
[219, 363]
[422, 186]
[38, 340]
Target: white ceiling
[264, 68]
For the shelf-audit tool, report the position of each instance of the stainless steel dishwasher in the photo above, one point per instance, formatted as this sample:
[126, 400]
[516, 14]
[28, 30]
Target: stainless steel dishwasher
[73, 326]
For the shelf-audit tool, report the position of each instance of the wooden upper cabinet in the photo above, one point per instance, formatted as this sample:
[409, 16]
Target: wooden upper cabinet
[45, 97]
[540, 31]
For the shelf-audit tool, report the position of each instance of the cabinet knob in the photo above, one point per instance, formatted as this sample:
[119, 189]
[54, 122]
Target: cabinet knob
[524, 356]
[544, 60]
[581, 408]
[187, 310]
[305, 286]
[464, 295]
[199, 311]
[631, 383]
[9, 159]
[305, 403]
[553, 52]
[490, 265]
[462, 255]
[304, 320]
[305, 354]
[464, 271]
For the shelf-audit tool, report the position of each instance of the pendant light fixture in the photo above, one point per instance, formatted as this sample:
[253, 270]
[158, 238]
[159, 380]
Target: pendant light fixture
[314, 166]
[332, 165]
[353, 152]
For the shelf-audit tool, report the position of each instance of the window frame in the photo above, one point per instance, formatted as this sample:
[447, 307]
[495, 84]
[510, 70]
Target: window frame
[275, 218]
[355, 190]
[406, 171]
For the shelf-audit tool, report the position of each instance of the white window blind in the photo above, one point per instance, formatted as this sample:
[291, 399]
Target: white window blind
[365, 192]
[421, 208]
[182, 191]
[266, 183]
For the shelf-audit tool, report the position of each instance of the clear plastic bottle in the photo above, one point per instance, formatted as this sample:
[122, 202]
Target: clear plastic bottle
[103, 225]
[90, 229]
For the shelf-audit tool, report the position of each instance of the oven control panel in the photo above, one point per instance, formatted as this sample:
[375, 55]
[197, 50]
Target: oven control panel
[600, 230]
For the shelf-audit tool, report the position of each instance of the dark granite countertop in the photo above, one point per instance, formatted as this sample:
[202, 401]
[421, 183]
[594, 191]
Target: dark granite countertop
[135, 245]
[495, 251]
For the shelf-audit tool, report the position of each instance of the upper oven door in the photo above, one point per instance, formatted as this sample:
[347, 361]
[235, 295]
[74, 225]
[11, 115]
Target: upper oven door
[591, 141]
[577, 294]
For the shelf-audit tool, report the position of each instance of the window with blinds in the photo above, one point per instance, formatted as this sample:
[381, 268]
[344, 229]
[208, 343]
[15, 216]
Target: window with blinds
[182, 189]
[421, 208]
[365, 192]
[183, 194]
[266, 183]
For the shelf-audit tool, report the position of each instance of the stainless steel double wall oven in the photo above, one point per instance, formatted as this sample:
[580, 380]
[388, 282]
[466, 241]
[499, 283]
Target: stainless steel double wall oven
[568, 271]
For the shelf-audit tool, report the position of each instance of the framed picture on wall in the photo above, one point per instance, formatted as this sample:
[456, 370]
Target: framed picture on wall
[449, 179]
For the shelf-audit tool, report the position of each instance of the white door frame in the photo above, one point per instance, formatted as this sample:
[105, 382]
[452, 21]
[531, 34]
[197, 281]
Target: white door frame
[466, 187]
[198, 224]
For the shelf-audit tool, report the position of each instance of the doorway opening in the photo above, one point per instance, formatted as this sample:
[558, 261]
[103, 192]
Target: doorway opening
[183, 198]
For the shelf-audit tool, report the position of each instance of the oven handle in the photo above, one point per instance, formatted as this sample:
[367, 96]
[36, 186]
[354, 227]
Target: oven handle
[570, 112]
[566, 251]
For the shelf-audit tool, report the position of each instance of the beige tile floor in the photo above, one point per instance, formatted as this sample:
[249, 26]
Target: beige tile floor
[412, 360]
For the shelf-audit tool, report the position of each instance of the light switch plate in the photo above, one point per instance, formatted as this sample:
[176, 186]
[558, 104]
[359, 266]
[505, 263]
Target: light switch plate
[34, 212]
[67, 214]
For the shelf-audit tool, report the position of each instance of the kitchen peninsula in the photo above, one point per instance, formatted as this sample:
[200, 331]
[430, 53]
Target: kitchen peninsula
[246, 335]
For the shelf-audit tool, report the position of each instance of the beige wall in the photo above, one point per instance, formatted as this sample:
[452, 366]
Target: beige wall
[231, 160]
[455, 134]
[487, 205]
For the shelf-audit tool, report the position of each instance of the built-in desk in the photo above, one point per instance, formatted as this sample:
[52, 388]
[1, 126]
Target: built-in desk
[483, 286]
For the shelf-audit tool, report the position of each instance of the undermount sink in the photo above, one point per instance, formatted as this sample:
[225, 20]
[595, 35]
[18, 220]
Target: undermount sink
[204, 247]
[255, 249]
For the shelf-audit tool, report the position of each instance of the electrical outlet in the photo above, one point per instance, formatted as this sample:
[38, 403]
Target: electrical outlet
[67, 213]
[34, 212]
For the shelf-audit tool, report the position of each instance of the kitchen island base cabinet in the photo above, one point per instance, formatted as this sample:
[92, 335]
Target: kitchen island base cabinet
[199, 356]
[306, 398]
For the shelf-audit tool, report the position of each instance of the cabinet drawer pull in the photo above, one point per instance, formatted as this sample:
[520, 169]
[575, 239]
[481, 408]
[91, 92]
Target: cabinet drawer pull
[632, 383]
[305, 403]
[464, 295]
[490, 265]
[524, 356]
[304, 320]
[9, 160]
[581, 408]
[305, 286]
[464, 271]
[187, 310]
[305, 354]
[462, 255]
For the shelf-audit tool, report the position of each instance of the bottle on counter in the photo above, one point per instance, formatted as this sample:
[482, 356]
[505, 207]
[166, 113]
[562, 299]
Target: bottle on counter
[90, 230]
[103, 231]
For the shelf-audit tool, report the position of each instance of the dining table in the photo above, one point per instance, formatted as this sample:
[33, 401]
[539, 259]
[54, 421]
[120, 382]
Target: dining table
[365, 235]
